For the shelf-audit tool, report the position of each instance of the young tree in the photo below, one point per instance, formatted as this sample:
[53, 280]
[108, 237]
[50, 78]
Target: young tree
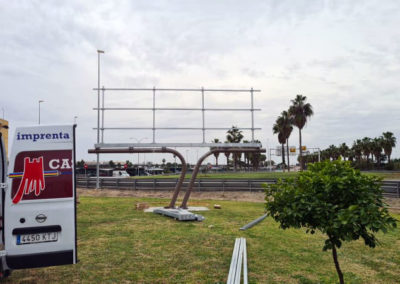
[300, 111]
[335, 199]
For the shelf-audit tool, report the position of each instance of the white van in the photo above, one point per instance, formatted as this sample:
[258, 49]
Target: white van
[38, 199]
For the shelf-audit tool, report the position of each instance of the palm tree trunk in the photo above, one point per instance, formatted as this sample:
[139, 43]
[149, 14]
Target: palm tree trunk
[287, 151]
[301, 151]
[283, 157]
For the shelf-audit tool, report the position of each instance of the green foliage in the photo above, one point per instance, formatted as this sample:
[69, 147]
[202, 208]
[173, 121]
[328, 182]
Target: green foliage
[80, 164]
[333, 198]
[111, 164]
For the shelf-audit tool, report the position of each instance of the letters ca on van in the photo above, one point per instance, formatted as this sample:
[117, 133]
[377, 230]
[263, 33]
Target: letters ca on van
[43, 136]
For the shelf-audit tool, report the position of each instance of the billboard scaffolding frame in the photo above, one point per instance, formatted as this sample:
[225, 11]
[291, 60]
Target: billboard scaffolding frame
[155, 147]
[102, 108]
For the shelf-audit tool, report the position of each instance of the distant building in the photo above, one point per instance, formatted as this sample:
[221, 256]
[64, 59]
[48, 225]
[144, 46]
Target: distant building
[4, 132]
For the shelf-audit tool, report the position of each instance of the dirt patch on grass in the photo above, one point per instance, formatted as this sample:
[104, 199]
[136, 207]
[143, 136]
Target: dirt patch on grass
[394, 204]
[214, 195]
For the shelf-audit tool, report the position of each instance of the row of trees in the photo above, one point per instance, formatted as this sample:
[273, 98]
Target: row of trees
[297, 115]
[364, 153]
[235, 135]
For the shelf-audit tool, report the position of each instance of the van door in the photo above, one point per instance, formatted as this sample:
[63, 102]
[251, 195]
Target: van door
[3, 175]
[40, 202]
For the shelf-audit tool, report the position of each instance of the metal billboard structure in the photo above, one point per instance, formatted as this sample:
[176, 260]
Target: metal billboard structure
[101, 109]
[158, 147]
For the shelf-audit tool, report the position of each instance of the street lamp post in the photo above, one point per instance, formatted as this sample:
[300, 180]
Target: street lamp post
[40, 101]
[138, 141]
[98, 118]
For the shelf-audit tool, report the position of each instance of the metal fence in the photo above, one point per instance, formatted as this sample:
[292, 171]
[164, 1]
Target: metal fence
[390, 188]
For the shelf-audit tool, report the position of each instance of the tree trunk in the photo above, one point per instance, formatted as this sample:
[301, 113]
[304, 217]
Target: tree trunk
[301, 151]
[283, 157]
[227, 160]
[335, 260]
[287, 151]
[235, 161]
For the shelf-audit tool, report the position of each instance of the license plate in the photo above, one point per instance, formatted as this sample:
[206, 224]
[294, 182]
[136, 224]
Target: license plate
[37, 238]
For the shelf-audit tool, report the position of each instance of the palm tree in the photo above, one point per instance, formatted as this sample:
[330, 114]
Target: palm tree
[287, 122]
[255, 158]
[377, 144]
[389, 141]
[367, 147]
[300, 111]
[325, 155]
[216, 140]
[333, 152]
[357, 149]
[234, 135]
[111, 164]
[344, 151]
[278, 128]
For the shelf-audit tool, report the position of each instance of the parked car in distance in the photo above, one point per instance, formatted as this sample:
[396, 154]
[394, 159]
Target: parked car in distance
[121, 174]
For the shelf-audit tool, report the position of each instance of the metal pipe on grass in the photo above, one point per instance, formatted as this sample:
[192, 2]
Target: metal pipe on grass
[253, 223]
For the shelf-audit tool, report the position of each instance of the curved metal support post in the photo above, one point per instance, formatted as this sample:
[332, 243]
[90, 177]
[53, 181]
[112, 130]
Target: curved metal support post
[150, 150]
[202, 158]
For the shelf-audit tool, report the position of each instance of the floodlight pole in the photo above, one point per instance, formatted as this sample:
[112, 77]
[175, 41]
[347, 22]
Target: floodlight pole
[98, 119]
[252, 114]
[202, 113]
[40, 101]
[138, 141]
[154, 114]
[102, 115]
[270, 160]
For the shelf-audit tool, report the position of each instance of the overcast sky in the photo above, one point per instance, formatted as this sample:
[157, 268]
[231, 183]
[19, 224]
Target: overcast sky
[343, 55]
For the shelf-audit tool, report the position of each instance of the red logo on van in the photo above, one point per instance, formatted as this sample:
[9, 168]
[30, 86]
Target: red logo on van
[32, 179]
[42, 175]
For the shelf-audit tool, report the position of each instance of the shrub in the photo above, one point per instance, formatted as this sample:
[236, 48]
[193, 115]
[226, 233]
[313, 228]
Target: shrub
[335, 199]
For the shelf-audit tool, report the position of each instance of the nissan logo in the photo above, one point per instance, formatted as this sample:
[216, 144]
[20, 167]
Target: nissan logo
[41, 218]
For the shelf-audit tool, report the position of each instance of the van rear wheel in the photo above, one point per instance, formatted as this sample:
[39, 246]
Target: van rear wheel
[5, 273]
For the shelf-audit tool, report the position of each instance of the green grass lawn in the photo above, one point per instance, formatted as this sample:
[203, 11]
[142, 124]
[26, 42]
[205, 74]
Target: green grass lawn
[117, 244]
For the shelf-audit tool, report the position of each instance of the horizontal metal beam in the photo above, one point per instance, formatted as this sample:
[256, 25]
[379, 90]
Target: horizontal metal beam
[170, 108]
[175, 128]
[183, 145]
[180, 90]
